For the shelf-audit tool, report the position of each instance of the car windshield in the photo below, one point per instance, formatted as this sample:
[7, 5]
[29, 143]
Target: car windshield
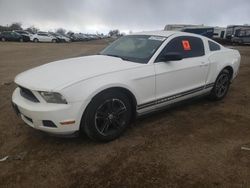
[136, 48]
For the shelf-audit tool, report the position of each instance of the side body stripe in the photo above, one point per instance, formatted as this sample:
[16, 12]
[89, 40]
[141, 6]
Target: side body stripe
[173, 97]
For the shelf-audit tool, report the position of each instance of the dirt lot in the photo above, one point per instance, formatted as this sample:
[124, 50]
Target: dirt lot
[197, 144]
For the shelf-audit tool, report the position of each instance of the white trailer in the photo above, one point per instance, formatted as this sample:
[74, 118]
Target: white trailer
[219, 33]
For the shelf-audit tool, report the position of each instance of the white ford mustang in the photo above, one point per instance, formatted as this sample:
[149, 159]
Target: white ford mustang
[99, 95]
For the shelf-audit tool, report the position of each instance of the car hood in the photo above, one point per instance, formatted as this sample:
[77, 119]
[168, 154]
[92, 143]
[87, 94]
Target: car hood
[60, 74]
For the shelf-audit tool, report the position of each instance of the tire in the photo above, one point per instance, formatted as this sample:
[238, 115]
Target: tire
[20, 40]
[54, 40]
[36, 40]
[221, 86]
[3, 39]
[107, 116]
[240, 42]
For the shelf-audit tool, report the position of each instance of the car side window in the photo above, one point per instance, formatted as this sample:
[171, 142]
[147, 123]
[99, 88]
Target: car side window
[42, 34]
[213, 46]
[186, 46]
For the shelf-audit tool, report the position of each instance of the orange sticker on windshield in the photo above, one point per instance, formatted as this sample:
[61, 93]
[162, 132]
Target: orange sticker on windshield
[186, 45]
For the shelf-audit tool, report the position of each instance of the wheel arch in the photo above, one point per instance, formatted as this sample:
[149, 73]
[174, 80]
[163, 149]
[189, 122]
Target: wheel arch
[127, 92]
[230, 70]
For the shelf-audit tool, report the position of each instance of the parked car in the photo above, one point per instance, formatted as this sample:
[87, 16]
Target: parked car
[13, 36]
[82, 37]
[72, 37]
[100, 95]
[64, 38]
[43, 37]
[24, 33]
[59, 37]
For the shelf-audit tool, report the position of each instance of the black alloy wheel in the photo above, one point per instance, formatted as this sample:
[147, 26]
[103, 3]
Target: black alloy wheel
[221, 86]
[107, 116]
[110, 116]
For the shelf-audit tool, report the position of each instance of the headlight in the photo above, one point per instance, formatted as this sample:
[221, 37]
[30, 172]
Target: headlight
[51, 97]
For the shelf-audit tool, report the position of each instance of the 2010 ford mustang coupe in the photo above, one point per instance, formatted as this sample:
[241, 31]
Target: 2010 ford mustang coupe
[99, 95]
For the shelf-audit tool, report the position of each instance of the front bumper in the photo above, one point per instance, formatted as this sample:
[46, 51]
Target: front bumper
[36, 114]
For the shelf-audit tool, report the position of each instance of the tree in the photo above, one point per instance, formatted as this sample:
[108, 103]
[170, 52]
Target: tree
[15, 26]
[3, 28]
[61, 31]
[115, 32]
[32, 29]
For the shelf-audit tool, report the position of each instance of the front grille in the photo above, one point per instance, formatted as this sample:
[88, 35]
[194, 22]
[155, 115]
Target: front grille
[27, 94]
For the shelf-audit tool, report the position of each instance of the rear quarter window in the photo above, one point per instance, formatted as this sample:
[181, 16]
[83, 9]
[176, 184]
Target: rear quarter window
[213, 46]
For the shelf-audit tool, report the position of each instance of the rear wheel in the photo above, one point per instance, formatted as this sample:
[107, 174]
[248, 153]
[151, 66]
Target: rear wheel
[3, 39]
[36, 40]
[221, 86]
[54, 40]
[107, 116]
[21, 40]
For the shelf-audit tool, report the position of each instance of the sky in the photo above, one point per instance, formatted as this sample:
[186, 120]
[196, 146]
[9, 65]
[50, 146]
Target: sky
[91, 16]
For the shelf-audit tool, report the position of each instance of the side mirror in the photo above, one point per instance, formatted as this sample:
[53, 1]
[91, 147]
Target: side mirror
[171, 56]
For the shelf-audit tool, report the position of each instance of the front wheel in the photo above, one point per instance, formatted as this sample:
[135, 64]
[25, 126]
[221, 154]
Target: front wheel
[221, 86]
[36, 40]
[20, 40]
[54, 40]
[107, 116]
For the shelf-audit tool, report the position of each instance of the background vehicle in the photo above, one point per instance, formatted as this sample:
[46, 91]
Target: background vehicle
[219, 33]
[43, 37]
[13, 36]
[137, 74]
[232, 30]
[22, 32]
[72, 37]
[204, 31]
[60, 38]
[242, 36]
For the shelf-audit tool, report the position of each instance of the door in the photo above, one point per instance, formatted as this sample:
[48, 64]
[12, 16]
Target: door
[41, 37]
[48, 38]
[176, 79]
[8, 36]
[16, 37]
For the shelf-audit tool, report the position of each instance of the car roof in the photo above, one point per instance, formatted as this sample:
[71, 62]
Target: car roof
[166, 33]
[156, 33]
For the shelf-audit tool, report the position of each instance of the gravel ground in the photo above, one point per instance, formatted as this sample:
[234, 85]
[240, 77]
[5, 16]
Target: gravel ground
[197, 144]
